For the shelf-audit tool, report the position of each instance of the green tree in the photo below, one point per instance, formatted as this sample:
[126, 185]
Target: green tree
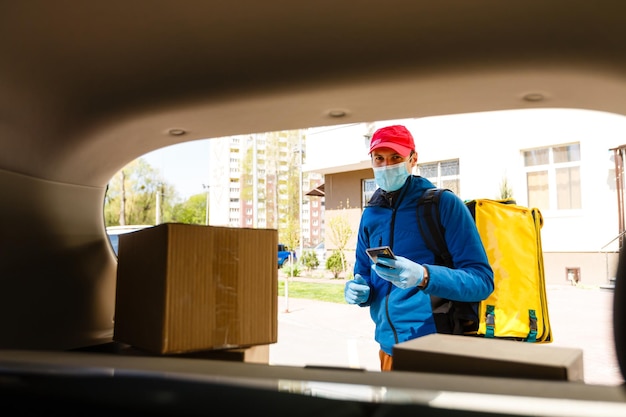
[192, 211]
[340, 233]
[290, 234]
[282, 192]
[336, 263]
[131, 196]
[309, 260]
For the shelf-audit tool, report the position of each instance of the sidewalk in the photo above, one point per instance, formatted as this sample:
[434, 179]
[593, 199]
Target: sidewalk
[313, 333]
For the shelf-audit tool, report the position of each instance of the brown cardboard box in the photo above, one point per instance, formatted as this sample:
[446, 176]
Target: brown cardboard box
[184, 288]
[251, 354]
[466, 355]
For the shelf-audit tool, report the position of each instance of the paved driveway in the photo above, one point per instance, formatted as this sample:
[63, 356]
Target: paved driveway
[312, 333]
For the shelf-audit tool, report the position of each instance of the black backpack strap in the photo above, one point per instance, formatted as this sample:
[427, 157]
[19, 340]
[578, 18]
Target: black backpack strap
[453, 317]
[430, 226]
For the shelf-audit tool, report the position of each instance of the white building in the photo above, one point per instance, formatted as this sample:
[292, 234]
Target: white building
[255, 181]
[560, 161]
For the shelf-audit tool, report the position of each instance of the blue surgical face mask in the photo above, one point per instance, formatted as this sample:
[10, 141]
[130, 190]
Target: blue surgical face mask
[391, 177]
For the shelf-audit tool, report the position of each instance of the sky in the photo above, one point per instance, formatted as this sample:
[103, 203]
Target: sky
[184, 165]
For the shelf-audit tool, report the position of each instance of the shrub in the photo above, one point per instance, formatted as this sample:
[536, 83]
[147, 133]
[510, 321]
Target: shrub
[292, 270]
[309, 260]
[335, 263]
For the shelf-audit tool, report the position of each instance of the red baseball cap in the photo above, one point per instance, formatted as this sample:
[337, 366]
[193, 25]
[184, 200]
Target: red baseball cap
[396, 137]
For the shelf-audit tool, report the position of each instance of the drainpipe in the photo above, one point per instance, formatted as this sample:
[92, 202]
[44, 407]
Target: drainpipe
[619, 185]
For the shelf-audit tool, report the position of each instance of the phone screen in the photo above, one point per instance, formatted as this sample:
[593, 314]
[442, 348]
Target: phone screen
[382, 252]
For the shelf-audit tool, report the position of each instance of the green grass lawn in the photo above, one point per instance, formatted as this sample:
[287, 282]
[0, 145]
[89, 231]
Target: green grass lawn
[320, 291]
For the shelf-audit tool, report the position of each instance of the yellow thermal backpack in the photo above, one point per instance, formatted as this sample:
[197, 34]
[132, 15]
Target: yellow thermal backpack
[517, 309]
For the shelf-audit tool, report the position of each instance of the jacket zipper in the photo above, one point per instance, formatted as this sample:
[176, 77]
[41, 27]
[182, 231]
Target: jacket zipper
[391, 237]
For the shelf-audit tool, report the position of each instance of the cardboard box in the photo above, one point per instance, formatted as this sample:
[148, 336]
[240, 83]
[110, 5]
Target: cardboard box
[466, 355]
[252, 354]
[184, 288]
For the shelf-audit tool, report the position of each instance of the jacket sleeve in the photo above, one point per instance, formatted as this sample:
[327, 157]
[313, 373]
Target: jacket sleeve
[362, 265]
[471, 278]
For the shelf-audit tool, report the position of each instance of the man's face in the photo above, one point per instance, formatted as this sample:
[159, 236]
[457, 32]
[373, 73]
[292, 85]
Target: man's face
[386, 156]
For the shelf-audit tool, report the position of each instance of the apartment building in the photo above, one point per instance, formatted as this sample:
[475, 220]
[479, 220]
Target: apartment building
[256, 181]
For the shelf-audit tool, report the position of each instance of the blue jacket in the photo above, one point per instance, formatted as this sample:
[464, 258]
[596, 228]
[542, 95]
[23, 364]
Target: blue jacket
[405, 314]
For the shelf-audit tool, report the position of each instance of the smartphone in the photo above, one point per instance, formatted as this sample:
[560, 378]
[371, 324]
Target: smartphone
[380, 252]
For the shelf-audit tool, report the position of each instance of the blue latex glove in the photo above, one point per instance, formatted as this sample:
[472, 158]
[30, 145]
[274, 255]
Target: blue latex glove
[403, 273]
[356, 291]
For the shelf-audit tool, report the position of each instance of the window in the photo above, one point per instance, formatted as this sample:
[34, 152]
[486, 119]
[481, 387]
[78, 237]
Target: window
[369, 186]
[444, 174]
[553, 177]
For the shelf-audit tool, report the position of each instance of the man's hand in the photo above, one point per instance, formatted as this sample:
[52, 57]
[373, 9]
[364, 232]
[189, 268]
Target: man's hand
[356, 291]
[401, 272]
